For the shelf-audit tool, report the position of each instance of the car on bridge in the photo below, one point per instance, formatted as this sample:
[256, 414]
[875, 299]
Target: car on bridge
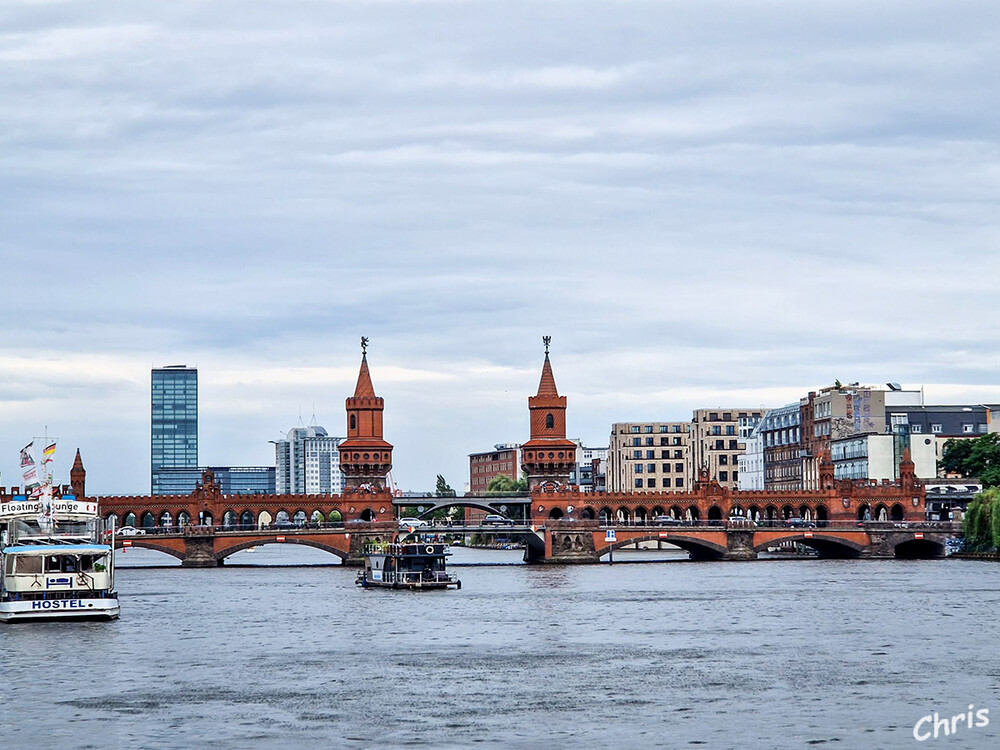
[667, 521]
[799, 523]
[130, 531]
[406, 523]
[493, 519]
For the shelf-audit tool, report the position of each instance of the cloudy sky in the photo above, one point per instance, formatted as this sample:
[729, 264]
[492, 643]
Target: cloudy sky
[704, 203]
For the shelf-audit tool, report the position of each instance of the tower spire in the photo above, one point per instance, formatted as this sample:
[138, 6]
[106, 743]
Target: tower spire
[365, 457]
[548, 456]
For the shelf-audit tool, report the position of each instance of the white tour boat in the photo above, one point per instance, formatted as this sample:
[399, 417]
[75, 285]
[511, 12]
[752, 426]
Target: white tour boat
[57, 561]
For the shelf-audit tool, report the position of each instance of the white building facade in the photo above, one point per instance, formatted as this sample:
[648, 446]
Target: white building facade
[307, 462]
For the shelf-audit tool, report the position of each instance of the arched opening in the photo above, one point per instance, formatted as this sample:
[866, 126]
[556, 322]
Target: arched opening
[335, 517]
[822, 514]
[753, 513]
[692, 513]
[736, 511]
[205, 518]
[228, 520]
[367, 515]
[246, 520]
[354, 422]
[316, 518]
[897, 512]
[881, 513]
[770, 513]
[587, 514]
[714, 513]
[281, 517]
[786, 512]
[640, 515]
[183, 518]
[299, 519]
[550, 422]
[657, 511]
[112, 519]
[918, 549]
[555, 513]
[676, 512]
[805, 513]
[148, 521]
[623, 516]
[166, 520]
[264, 520]
[129, 519]
[864, 512]
[604, 516]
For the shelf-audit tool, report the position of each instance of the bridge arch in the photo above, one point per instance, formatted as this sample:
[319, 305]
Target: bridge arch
[864, 512]
[183, 518]
[640, 515]
[247, 544]
[657, 511]
[556, 513]
[147, 543]
[826, 546]
[692, 513]
[246, 519]
[698, 549]
[715, 513]
[148, 520]
[605, 515]
[588, 514]
[918, 549]
[896, 513]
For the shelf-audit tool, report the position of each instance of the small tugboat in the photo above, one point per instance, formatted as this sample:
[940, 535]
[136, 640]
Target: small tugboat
[415, 566]
[56, 559]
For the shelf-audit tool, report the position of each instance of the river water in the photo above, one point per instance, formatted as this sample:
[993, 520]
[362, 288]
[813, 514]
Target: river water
[765, 654]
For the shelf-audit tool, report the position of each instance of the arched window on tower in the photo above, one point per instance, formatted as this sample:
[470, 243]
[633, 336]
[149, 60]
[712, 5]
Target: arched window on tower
[550, 421]
[354, 422]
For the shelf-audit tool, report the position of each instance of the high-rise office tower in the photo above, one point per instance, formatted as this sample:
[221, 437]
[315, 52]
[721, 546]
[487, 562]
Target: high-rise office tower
[308, 462]
[174, 442]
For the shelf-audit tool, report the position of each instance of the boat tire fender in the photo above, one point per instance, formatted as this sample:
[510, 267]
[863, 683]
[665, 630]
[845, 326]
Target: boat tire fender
[429, 549]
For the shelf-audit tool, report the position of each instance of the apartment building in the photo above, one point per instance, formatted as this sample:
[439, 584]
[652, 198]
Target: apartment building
[649, 457]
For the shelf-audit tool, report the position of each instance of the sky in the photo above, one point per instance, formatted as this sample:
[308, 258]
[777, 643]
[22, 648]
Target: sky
[712, 203]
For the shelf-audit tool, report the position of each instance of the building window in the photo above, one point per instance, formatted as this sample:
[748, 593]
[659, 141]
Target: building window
[678, 454]
[678, 467]
[649, 441]
[723, 460]
[966, 428]
[677, 441]
[650, 454]
[664, 454]
[550, 421]
[679, 482]
[664, 428]
[730, 430]
[635, 428]
[916, 428]
[636, 454]
[666, 468]
[651, 468]
[723, 476]
[638, 483]
[650, 482]
[716, 429]
[936, 429]
[647, 428]
[638, 468]
[636, 441]
[354, 422]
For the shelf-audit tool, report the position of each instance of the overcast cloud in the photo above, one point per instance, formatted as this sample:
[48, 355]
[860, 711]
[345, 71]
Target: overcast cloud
[704, 203]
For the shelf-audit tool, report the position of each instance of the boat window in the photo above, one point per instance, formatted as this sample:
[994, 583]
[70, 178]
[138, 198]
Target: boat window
[10, 564]
[28, 564]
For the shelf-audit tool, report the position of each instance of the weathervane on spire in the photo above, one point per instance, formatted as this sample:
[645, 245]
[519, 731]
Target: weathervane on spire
[546, 340]
[364, 346]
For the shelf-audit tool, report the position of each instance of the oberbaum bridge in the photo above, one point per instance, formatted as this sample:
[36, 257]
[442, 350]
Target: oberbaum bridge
[556, 522]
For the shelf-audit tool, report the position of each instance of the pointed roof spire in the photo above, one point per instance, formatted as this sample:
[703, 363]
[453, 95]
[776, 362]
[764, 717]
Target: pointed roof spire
[547, 385]
[77, 462]
[364, 388]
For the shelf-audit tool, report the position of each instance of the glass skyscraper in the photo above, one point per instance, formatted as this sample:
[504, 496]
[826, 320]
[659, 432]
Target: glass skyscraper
[174, 422]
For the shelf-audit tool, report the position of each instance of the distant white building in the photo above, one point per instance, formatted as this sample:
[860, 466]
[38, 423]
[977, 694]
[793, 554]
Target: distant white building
[308, 462]
[751, 461]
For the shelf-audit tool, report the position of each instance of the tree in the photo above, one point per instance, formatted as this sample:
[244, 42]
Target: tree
[502, 484]
[979, 457]
[982, 522]
[442, 488]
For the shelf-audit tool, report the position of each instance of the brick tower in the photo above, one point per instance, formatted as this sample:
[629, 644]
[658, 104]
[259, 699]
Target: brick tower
[365, 458]
[548, 456]
[78, 477]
